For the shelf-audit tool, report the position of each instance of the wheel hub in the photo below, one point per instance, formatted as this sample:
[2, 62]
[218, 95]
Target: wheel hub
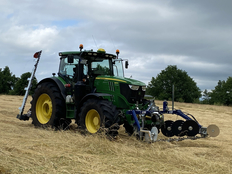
[44, 108]
[190, 128]
[92, 121]
[96, 121]
[47, 108]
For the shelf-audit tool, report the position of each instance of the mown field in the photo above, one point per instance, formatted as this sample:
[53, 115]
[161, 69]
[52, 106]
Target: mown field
[25, 149]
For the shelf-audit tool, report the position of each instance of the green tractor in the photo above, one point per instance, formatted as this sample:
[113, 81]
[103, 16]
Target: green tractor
[91, 89]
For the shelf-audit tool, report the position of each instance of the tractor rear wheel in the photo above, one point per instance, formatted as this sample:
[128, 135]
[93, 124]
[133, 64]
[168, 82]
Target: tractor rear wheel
[48, 107]
[95, 114]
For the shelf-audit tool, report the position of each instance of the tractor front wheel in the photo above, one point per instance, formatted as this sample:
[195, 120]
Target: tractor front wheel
[98, 113]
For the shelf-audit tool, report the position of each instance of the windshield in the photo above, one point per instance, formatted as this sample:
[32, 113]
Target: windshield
[118, 68]
[101, 67]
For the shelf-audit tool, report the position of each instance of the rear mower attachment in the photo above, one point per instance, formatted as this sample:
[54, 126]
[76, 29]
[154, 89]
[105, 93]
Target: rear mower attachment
[190, 127]
[187, 129]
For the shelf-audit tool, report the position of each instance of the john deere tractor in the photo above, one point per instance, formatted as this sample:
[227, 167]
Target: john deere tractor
[91, 89]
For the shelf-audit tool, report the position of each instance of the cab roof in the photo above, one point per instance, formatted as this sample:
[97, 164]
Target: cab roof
[89, 53]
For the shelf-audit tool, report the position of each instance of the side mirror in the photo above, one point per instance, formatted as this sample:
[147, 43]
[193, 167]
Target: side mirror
[70, 58]
[126, 64]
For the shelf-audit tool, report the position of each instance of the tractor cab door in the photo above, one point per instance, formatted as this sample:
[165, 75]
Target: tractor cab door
[67, 66]
[73, 68]
[80, 71]
[98, 67]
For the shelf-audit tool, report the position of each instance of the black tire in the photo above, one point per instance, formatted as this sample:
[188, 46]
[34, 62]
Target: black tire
[128, 128]
[48, 107]
[98, 113]
[166, 128]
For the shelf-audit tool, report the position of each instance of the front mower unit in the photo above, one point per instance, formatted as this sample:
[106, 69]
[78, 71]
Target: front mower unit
[188, 127]
[147, 122]
[150, 135]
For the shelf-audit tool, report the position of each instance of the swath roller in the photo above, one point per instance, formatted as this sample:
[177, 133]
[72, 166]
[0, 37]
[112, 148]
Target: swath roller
[188, 126]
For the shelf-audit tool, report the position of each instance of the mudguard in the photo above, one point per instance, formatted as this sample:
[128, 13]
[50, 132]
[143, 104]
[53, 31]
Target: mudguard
[94, 95]
[56, 81]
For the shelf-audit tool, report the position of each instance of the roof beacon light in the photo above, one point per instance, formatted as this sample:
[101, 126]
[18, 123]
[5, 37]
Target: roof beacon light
[81, 47]
[117, 52]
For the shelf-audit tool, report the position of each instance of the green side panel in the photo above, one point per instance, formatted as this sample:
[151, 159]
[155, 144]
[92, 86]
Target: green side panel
[70, 110]
[104, 85]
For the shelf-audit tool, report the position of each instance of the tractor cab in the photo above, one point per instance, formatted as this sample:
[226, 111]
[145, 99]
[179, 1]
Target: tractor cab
[79, 65]
[85, 66]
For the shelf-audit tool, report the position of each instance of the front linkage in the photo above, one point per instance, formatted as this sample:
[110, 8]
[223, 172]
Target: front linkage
[187, 129]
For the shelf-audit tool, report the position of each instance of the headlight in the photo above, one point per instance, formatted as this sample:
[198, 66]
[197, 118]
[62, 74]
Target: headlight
[134, 87]
[144, 88]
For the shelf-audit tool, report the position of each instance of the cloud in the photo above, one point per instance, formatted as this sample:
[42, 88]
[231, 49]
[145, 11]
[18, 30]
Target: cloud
[194, 35]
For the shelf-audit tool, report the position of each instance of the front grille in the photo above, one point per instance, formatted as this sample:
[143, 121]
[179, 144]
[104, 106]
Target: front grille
[132, 96]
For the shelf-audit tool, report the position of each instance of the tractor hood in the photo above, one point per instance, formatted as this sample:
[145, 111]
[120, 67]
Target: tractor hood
[121, 80]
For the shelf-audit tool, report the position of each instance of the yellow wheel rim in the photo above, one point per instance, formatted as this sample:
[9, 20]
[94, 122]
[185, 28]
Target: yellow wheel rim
[92, 121]
[44, 108]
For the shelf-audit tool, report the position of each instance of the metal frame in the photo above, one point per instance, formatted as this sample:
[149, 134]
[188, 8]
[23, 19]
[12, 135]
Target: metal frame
[20, 116]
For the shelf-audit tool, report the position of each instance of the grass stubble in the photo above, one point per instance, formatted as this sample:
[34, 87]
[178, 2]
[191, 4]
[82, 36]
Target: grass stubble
[26, 149]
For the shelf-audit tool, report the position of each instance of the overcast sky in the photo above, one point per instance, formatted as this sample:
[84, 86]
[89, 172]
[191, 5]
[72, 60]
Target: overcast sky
[195, 35]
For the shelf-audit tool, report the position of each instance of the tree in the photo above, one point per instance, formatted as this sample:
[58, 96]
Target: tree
[185, 88]
[206, 97]
[22, 83]
[222, 94]
[7, 80]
